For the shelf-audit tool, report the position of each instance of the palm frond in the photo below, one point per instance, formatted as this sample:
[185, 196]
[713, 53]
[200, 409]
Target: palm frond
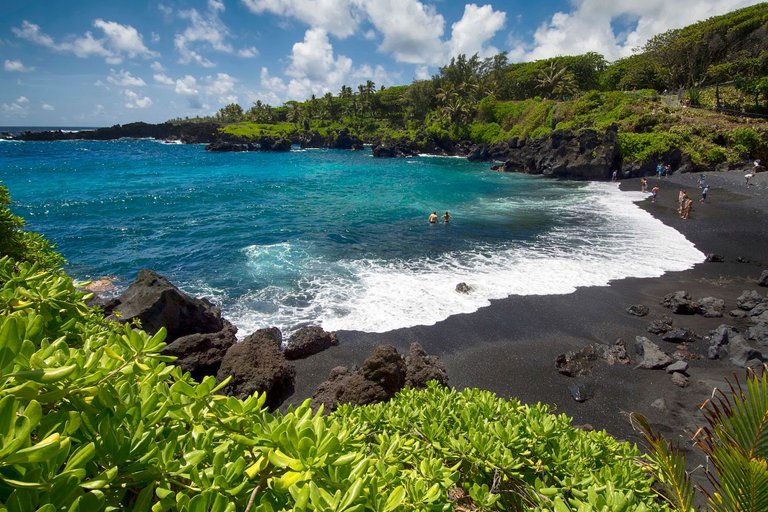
[669, 467]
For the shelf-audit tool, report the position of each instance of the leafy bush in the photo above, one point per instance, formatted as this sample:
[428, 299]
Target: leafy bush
[484, 132]
[746, 139]
[639, 147]
[715, 155]
[22, 245]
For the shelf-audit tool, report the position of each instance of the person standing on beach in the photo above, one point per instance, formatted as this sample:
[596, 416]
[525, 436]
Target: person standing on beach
[701, 181]
[687, 206]
[654, 193]
[433, 218]
[704, 193]
[659, 169]
[643, 184]
[680, 200]
[667, 170]
[615, 176]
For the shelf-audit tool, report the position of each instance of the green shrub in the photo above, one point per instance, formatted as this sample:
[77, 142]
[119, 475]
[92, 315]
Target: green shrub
[484, 132]
[746, 139]
[715, 155]
[22, 245]
[639, 147]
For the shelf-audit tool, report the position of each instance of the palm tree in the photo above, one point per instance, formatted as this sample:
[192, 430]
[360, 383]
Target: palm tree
[556, 82]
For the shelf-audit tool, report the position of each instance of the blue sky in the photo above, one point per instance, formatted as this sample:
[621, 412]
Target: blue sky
[97, 63]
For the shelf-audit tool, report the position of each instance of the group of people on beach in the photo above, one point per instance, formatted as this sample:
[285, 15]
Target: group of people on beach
[685, 204]
[433, 217]
[663, 170]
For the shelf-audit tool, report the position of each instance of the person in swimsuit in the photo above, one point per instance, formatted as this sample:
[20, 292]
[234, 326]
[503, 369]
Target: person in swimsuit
[446, 217]
[433, 218]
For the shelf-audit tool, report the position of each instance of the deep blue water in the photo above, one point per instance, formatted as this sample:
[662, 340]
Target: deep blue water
[330, 237]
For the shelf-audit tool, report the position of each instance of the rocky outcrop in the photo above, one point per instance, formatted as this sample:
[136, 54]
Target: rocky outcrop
[394, 148]
[256, 364]
[308, 341]
[660, 325]
[421, 368]
[382, 375]
[763, 281]
[580, 362]
[339, 139]
[229, 144]
[201, 354]
[189, 133]
[155, 302]
[638, 310]
[710, 307]
[586, 155]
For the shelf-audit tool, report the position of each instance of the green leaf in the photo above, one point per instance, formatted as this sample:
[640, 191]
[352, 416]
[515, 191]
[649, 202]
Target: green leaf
[45, 375]
[42, 451]
[144, 499]
[395, 498]
[195, 457]
[10, 342]
[81, 456]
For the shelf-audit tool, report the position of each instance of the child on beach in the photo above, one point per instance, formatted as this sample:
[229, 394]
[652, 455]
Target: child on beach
[654, 193]
[643, 184]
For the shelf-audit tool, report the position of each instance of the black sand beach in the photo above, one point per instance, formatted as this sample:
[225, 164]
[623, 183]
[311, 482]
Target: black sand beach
[510, 347]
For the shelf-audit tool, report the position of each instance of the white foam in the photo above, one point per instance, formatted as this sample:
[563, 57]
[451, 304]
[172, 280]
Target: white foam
[620, 240]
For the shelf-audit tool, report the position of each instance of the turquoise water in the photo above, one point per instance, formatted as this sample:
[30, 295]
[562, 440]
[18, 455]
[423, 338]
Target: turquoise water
[328, 237]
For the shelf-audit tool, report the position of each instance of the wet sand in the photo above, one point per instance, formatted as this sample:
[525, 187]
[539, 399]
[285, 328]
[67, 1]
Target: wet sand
[510, 346]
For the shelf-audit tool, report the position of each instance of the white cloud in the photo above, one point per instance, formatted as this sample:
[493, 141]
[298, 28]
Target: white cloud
[222, 86]
[31, 32]
[204, 30]
[47, 106]
[474, 29]
[588, 26]
[124, 39]
[124, 79]
[157, 67]
[187, 87]
[338, 17]
[248, 53]
[18, 108]
[164, 79]
[16, 66]
[133, 100]
[422, 73]
[412, 31]
[120, 41]
[315, 69]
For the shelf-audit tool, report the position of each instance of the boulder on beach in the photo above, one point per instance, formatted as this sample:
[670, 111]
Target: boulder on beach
[748, 300]
[680, 335]
[581, 362]
[710, 307]
[256, 364]
[638, 310]
[155, 302]
[652, 356]
[718, 339]
[763, 281]
[384, 373]
[463, 288]
[421, 368]
[680, 303]
[660, 325]
[308, 341]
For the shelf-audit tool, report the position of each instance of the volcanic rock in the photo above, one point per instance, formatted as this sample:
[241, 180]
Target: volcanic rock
[256, 364]
[308, 341]
[680, 303]
[653, 356]
[638, 310]
[200, 354]
[421, 368]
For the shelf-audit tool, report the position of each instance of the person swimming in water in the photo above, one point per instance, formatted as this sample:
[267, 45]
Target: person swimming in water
[433, 218]
[446, 217]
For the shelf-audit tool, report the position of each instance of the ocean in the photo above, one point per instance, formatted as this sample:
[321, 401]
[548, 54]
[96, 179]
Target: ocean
[328, 237]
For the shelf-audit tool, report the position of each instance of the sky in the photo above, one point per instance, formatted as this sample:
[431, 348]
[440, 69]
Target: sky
[97, 63]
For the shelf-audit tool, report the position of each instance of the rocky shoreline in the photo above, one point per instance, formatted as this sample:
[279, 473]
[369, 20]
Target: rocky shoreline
[582, 155]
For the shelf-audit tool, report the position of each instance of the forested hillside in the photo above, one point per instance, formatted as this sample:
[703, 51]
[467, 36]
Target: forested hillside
[720, 64]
